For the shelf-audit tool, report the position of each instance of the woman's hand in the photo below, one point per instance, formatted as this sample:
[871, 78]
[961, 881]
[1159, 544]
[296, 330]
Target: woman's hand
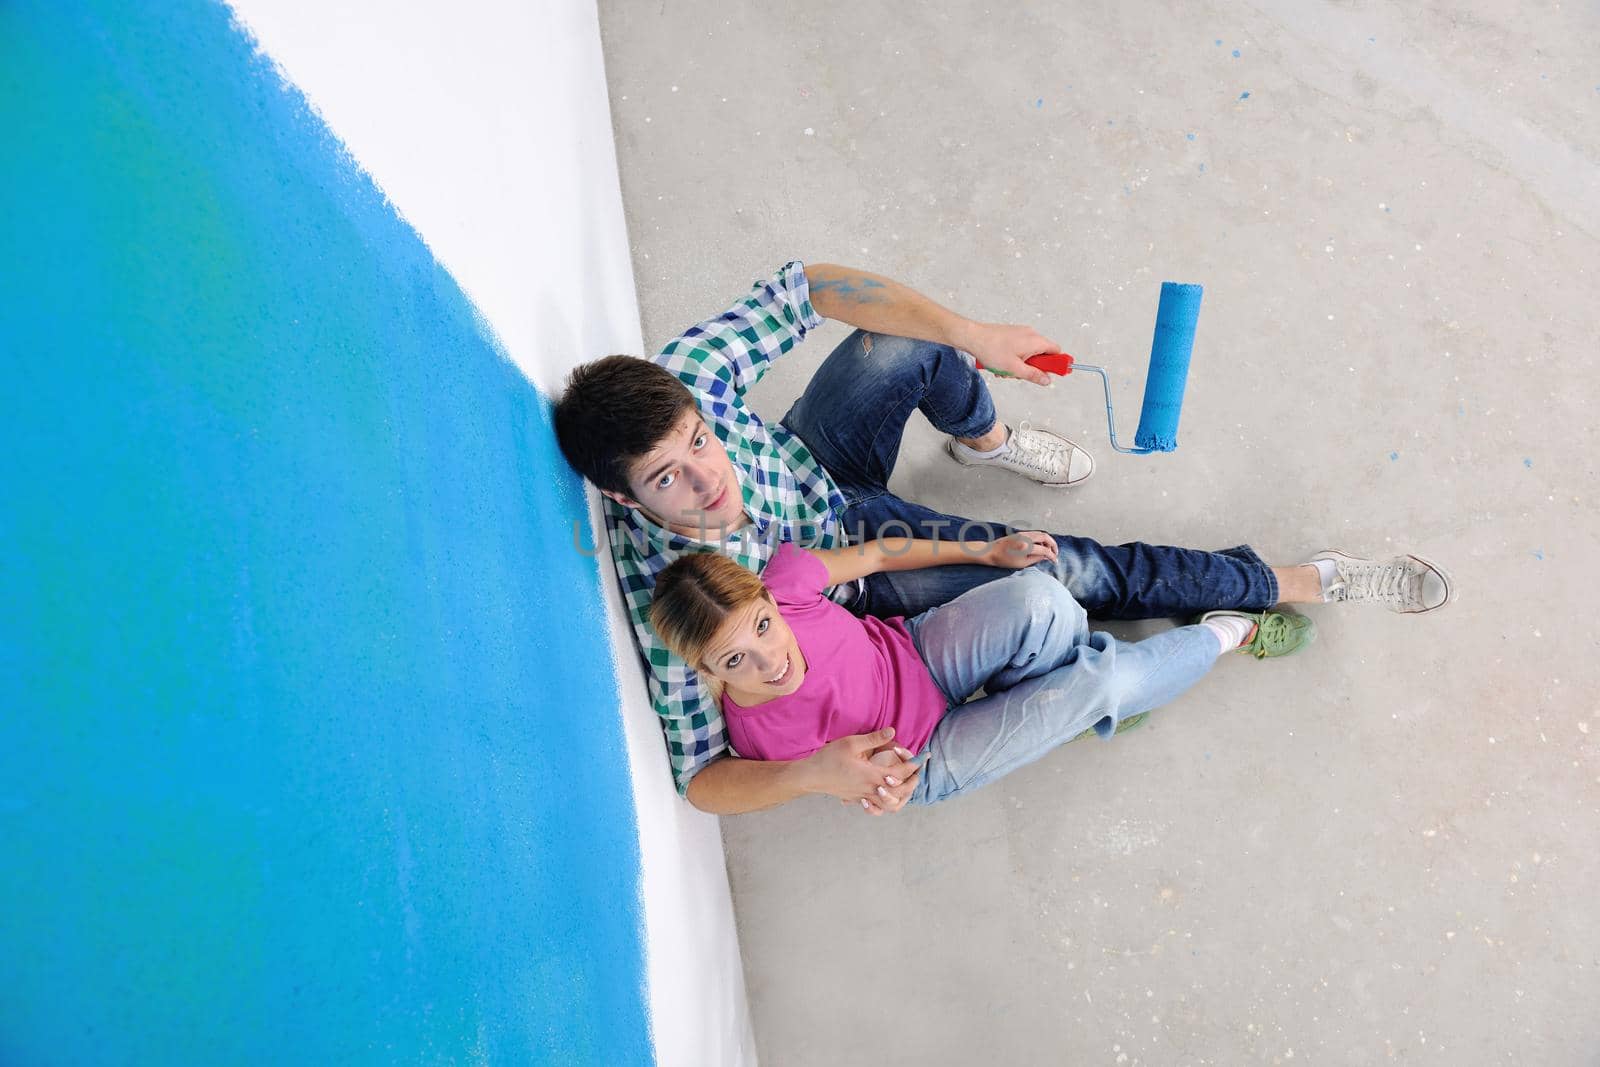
[846, 768]
[1019, 550]
[894, 794]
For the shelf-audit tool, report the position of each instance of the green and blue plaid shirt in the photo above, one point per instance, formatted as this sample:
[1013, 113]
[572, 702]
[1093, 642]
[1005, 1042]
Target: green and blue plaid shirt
[787, 494]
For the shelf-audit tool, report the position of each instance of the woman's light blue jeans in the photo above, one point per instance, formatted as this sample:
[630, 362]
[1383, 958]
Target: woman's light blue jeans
[1045, 675]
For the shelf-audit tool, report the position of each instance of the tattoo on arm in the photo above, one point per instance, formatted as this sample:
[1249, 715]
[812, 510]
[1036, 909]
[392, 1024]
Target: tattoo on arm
[856, 290]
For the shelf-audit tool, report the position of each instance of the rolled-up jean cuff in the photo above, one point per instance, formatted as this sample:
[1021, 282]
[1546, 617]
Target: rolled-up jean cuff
[1262, 576]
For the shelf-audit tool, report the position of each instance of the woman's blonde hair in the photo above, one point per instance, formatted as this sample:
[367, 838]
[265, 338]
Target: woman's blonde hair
[694, 596]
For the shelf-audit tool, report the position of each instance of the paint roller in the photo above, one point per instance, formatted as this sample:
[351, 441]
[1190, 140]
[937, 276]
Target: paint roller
[1163, 384]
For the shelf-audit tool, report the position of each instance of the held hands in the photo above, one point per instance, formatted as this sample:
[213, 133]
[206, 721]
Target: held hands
[891, 797]
[1006, 348]
[1019, 550]
[866, 770]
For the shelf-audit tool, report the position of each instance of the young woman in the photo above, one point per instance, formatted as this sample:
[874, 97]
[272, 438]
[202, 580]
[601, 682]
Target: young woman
[795, 670]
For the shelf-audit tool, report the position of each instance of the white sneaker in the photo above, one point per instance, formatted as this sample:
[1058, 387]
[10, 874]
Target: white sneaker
[1046, 457]
[1407, 584]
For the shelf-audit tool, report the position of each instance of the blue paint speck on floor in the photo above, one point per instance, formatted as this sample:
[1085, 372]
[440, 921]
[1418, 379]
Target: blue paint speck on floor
[1393, 456]
[1235, 53]
[1219, 42]
[1245, 95]
[1039, 102]
[1527, 463]
[1372, 40]
[1202, 168]
[1387, 210]
[1190, 136]
[1538, 553]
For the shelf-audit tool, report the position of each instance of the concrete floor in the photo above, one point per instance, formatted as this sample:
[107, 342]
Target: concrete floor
[1382, 850]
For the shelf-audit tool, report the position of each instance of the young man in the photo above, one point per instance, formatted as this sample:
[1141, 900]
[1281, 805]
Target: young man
[685, 466]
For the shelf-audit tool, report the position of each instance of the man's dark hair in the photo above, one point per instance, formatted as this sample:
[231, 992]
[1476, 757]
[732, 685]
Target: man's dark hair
[615, 410]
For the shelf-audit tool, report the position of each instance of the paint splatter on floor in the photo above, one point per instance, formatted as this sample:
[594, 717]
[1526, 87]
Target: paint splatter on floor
[1393, 456]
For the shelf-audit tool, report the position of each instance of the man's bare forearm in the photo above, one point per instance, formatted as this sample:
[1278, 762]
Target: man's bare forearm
[899, 554]
[877, 304]
[846, 768]
[733, 786]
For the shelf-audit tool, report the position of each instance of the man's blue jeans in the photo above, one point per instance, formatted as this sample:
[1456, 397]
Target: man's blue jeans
[852, 417]
[1045, 677]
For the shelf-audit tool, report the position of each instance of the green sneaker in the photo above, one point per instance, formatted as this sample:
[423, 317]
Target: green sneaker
[1278, 633]
[1123, 727]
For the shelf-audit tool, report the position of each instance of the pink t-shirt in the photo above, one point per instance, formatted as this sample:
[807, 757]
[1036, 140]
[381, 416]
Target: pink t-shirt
[861, 674]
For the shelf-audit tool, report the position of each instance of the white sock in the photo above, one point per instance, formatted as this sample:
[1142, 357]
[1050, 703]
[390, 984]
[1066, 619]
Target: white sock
[972, 453]
[1328, 574]
[1230, 631]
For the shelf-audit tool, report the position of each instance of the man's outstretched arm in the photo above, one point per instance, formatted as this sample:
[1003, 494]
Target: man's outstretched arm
[872, 302]
[843, 769]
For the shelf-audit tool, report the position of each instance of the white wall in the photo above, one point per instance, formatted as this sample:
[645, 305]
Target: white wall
[488, 127]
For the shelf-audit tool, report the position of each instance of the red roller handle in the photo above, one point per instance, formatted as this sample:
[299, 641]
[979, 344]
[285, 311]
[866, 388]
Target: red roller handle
[1050, 362]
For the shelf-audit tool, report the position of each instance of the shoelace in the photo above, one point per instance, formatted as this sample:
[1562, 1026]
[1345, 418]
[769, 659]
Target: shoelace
[1038, 452]
[1271, 629]
[1374, 581]
[1274, 635]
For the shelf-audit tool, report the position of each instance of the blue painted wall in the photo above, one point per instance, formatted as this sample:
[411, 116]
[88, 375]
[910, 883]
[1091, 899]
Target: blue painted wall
[309, 746]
